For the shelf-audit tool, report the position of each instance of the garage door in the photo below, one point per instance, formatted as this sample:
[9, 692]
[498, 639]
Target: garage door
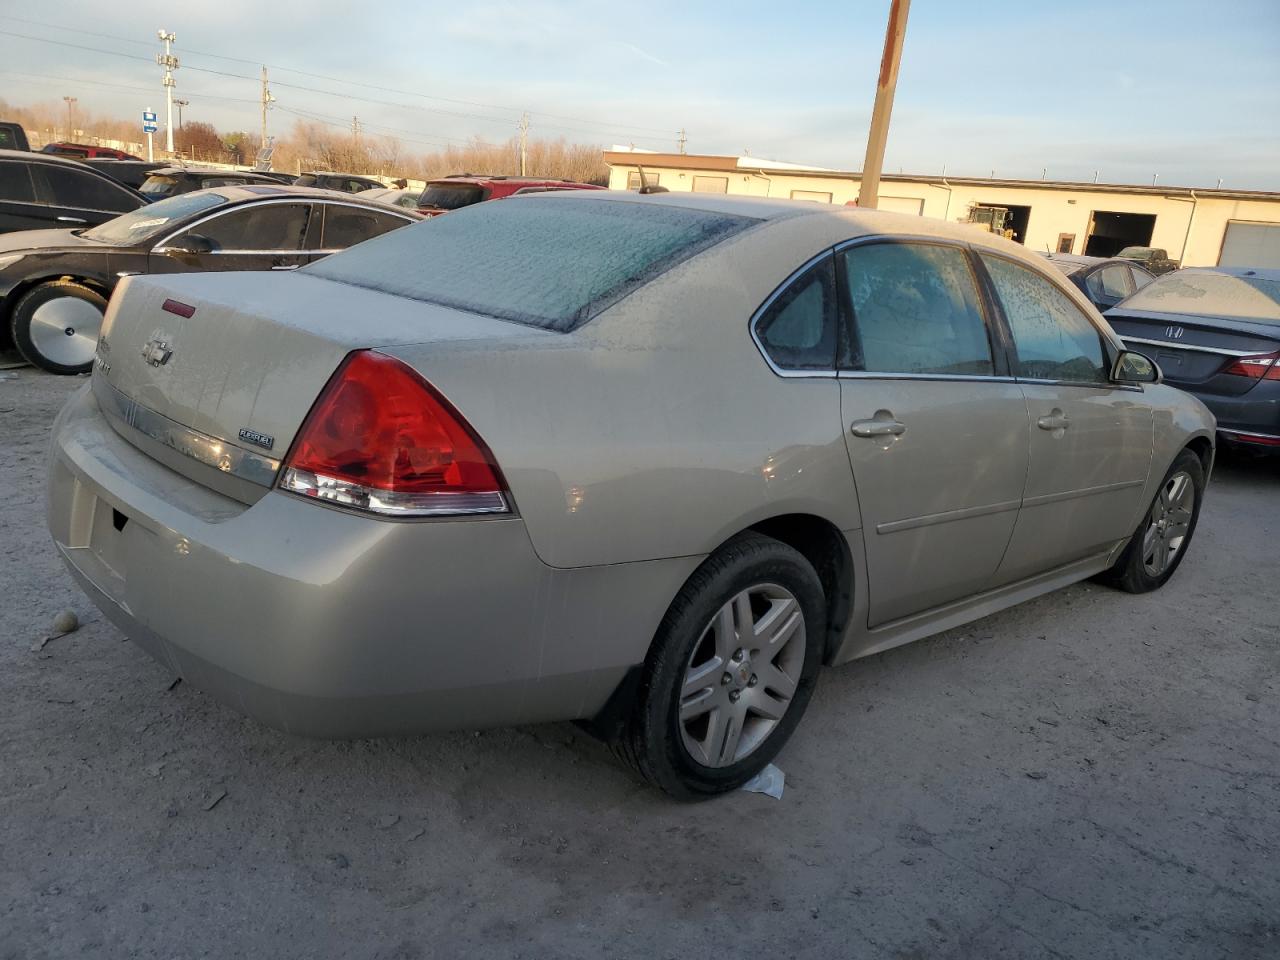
[902, 205]
[1250, 245]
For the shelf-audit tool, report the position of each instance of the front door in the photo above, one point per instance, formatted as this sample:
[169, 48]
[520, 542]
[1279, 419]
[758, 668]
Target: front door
[1090, 439]
[936, 430]
[257, 236]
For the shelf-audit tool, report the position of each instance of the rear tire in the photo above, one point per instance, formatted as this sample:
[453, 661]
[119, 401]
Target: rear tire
[720, 695]
[55, 326]
[1158, 545]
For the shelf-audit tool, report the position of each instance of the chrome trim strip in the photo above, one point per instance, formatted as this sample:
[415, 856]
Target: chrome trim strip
[1248, 433]
[1084, 492]
[1223, 351]
[201, 447]
[947, 516]
[959, 377]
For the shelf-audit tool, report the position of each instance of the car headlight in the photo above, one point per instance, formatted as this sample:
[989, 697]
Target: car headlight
[9, 259]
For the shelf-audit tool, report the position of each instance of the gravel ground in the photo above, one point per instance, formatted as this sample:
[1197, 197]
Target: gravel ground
[1089, 775]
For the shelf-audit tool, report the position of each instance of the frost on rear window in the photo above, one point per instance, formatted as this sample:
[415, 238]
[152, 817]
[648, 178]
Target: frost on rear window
[1211, 295]
[550, 262]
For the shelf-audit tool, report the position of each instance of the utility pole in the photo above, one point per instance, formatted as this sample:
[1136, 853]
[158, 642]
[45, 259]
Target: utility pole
[878, 135]
[180, 104]
[71, 104]
[681, 139]
[524, 144]
[267, 99]
[355, 131]
[170, 64]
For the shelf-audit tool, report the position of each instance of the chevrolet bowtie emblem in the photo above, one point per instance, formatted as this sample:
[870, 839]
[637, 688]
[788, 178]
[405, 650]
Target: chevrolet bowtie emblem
[156, 352]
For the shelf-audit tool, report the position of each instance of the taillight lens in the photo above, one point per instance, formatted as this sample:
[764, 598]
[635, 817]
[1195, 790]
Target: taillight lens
[382, 439]
[1262, 367]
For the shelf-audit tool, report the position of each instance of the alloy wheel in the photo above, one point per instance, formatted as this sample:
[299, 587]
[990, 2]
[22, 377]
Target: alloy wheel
[1168, 523]
[742, 675]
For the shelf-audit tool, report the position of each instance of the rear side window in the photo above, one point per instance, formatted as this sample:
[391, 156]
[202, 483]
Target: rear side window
[15, 183]
[915, 309]
[1141, 278]
[798, 328]
[346, 226]
[551, 261]
[68, 187]
[1053, 338]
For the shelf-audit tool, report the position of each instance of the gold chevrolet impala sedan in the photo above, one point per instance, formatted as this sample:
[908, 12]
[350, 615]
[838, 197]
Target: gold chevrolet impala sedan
[648, 462]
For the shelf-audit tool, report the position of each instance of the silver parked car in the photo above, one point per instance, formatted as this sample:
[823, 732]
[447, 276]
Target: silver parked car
[646, 461]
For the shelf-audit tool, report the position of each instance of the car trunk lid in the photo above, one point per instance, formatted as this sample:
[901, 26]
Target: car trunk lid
[213, 375]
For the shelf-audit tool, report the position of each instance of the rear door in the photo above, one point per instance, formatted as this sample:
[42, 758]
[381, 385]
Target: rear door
[936, 429]
[79, 196]
[1090, 439]
[255, 236]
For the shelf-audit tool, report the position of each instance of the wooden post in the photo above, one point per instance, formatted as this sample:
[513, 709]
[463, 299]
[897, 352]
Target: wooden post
[869, 189]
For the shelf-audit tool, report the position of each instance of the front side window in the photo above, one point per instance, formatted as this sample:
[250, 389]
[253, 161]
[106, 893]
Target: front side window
[798, 329]
[68, 187]
[915, 310]
[264, 226]
[1109, 283]
[1053, 338]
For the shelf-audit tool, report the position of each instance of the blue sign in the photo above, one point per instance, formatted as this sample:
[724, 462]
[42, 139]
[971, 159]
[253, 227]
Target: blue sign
[149, 128]
[148, 117]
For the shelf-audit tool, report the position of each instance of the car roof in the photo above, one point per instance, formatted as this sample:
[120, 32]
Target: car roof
[207, 172]
[1076, 258]
[240, 193]
[335, 173]
[36, 156]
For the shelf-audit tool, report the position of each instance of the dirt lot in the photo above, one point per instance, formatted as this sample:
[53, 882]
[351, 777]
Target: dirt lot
[1090, 775]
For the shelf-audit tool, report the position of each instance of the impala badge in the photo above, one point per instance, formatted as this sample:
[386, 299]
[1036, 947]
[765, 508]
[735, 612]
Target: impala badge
[156, 352]
[261, 439]
[1174, 332]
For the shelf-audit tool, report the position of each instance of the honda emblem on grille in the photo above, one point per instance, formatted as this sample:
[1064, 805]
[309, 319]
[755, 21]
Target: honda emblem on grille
[156, 352]
[1173, 332]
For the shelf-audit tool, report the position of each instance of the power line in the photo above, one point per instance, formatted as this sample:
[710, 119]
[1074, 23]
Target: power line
[607, 126]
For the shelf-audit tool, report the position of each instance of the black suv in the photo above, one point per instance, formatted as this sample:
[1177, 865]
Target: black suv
[345, 182]
[39, 191]
[171, 181]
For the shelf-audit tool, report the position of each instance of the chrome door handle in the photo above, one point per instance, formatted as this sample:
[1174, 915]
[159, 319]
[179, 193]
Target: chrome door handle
[877, 428]
[1054, 421]
[286, 266]
[71, 220]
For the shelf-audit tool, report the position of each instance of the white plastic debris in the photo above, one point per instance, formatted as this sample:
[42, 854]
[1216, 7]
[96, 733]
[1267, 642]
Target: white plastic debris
[768, 781]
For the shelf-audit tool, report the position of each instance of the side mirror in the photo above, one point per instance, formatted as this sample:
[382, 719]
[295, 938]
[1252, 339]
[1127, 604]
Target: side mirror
[1133, 367]
[189, 244]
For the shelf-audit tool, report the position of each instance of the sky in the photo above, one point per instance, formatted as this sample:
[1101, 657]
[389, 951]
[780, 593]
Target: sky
[1188, 92]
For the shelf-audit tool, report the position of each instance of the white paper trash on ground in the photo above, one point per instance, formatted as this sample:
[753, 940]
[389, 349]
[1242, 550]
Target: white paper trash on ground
[768, 781]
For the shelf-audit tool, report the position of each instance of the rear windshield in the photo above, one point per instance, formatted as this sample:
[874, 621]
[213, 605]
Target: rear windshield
[1211, 295]
[146, 222]
[158, 186]
[451, 196]
[547, 261]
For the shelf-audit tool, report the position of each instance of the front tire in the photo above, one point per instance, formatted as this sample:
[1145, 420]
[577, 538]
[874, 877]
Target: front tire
[1161, 540]
[55, 326]
[731, 670]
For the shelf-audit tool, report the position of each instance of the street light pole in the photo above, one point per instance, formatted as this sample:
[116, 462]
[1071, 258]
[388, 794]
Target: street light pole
[71, 103]
[878, 135]
[180, 104]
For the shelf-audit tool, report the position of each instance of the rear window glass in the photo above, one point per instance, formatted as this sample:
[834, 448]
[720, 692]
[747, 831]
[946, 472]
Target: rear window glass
[451, 196]
[159, 186]
[552, 261]
[1211, 295]
[150, 220]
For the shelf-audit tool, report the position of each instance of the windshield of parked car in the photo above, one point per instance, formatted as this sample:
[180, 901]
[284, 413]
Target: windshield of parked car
[450, 196]
[153, 219]
[1211, 295]
[549, 261]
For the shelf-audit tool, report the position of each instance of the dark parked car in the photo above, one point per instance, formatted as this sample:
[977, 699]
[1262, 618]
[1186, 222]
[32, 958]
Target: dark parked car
[344, 182]
[1153, 258]
[464, 189]
[40, 190]
[54, 284]
[171, 181]
[132, 173]
[12, 136]
[1215, 332]
[1104, 281]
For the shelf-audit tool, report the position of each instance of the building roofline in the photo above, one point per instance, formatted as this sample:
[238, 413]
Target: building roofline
[748, 165]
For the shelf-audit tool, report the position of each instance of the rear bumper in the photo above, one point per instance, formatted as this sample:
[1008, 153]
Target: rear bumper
[326, 623]
[1256, 413]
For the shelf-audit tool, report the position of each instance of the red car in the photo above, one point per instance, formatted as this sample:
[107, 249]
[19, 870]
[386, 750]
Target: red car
[83, 151]
[464, 189]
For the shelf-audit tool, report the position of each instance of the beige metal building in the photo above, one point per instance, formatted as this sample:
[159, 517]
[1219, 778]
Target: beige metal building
[1199, 227]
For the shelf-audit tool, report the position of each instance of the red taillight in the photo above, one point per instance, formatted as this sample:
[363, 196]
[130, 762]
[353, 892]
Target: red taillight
[1262, 367]
[381, 439]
